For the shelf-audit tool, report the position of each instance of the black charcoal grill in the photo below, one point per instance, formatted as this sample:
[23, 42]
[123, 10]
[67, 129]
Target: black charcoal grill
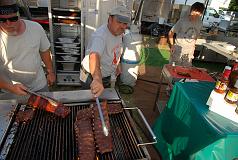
[47, 137]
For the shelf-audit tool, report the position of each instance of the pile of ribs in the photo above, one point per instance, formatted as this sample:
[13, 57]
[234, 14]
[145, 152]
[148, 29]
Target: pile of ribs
[89, 133]
[41, 103]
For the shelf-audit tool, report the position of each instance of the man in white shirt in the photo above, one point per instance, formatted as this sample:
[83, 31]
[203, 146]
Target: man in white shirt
[23, 46]
[104, 51]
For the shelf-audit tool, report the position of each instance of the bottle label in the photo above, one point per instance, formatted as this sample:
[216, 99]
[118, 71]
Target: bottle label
[221, 86]
[232, 96]
[227, 72]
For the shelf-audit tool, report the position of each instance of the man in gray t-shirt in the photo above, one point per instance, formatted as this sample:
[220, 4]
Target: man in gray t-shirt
[23, 46]
[187, 30]
[104, 51]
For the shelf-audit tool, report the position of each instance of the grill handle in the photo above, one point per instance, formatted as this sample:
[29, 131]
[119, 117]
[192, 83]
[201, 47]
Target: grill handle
[147, 125]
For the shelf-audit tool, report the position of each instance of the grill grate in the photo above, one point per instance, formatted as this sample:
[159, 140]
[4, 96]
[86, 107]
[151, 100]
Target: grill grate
[51, 138]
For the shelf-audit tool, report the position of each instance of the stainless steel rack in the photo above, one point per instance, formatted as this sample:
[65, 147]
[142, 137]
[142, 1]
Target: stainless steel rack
[65, 36]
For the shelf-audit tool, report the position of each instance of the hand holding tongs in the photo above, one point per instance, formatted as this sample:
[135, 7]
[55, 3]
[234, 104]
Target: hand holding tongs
[53, 102]
[104, 127]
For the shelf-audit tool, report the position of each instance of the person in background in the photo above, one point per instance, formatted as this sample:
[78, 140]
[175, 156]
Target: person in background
[23, 47]
[187, 30]
[103, 52]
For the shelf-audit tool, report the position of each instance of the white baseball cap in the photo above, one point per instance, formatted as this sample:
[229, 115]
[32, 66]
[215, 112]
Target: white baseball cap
[121, 13]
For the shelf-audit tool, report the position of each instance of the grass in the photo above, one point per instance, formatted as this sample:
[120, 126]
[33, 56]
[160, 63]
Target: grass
[154, 57]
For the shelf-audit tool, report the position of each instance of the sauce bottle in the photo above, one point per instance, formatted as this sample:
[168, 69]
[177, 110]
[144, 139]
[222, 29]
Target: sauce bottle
[235, 65]
[223, 81]
[233, 77]
[234, 74]
[232, 95]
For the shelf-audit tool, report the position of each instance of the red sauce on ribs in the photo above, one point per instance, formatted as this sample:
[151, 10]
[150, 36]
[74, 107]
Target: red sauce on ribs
[41, 103]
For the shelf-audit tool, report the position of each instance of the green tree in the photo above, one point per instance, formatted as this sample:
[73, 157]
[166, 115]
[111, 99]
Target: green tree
[233, 6]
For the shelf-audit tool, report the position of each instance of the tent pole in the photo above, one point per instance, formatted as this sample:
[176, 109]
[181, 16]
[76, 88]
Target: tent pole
[206, 4]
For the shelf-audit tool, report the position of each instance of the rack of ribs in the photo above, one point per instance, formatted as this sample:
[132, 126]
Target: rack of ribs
[103, 142]
[41, 103]
[84, 135]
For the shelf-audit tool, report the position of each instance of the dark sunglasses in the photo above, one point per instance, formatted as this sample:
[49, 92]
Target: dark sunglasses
[11, 19]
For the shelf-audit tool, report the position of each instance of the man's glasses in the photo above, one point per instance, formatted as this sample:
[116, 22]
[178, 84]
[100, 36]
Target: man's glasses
[11, 19]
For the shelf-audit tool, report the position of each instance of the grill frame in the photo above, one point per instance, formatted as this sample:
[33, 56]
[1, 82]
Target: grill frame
[120, 153]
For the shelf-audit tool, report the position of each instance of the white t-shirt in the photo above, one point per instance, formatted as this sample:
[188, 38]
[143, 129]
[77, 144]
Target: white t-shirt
[108, 46]
[20, 60]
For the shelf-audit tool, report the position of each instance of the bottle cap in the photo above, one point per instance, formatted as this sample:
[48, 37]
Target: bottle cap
[227, 68]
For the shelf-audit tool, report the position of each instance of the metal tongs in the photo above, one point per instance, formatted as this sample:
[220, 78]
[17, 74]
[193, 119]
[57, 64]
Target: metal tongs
[53, 102]
[104, 127]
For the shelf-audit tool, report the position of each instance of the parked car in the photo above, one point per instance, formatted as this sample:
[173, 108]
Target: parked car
[229, 21]
[211, 18]
[225, 15]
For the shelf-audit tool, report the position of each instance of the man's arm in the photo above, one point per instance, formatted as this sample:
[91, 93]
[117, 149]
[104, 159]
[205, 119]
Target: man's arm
[95, 70]
[171, 41]
[18, 89]
[46, 58]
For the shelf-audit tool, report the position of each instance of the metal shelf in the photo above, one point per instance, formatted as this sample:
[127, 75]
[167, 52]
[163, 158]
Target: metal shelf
[64, 24]
[63, 71]
[68, 61]
[66, 17]
[70, 84]
[66, 9]
[61, 22]
[67, 47]
[67, 43]
[65, 53]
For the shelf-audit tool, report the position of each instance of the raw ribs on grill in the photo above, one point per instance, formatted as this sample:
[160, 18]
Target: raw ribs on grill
[41, 103]
[84, 135]
[104, 143]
